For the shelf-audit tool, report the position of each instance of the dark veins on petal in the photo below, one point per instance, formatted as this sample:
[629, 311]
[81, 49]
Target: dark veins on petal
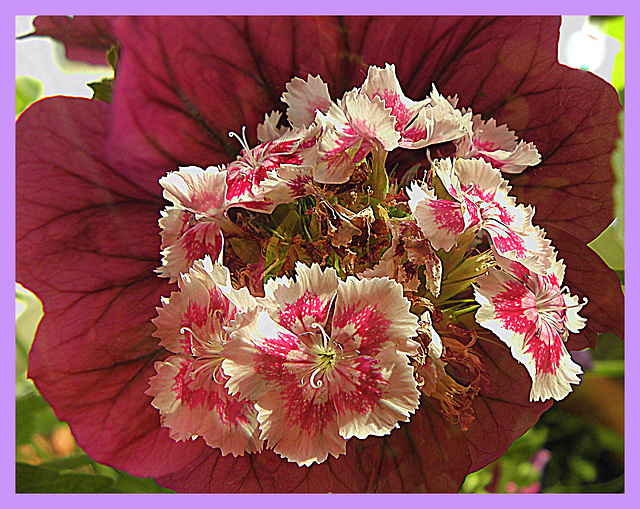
[85, 38]
[88, 203]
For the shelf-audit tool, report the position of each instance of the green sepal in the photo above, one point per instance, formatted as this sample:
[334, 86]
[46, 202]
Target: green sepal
[280, 241]
[102, 90]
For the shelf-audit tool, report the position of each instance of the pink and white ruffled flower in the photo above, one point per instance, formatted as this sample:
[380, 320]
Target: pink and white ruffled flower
[422, 123]
[190, 229]
[188, 388]
[533, 315]
[351, 129]
[274, 172]
[384, 84]
[441, 221]
[480, 199]
[438, 122]
[498, 146]
[325, 361]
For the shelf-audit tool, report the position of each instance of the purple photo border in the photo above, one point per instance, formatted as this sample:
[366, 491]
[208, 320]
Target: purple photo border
[10, 10]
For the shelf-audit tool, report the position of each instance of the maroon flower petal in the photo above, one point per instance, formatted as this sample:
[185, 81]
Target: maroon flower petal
[87, 243]
[426, 454]
[85, 38]
[87, 185]
[502, 410]
[185, 83]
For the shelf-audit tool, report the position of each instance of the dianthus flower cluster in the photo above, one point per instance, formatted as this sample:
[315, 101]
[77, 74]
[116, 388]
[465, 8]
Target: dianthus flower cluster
[321, 297]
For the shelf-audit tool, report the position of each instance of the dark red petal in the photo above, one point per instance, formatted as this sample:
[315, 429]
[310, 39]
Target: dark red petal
[425, 455]
[87, 243]
[503, 411]
[85, 38]
[185, 83]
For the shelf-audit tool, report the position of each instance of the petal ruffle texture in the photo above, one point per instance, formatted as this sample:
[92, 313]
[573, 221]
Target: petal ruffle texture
[87, 184]
[313, 389]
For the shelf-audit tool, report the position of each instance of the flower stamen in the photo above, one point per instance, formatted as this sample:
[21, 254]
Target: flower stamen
[245, 145]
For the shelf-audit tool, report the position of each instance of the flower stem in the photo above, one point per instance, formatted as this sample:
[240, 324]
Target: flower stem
[379, 180]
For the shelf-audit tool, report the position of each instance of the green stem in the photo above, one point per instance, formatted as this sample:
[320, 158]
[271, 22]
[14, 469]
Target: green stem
[379, 180]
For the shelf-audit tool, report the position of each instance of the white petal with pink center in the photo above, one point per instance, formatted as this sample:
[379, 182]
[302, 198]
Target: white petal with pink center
[352, 129]
[199, 191]
[484, 193]
[186, 239]
[437, 122]
[305, 98]
[274, 172]
[205, 297]
[189, 387]
[497, 145]
[202, 407]
[384, 84]
[374, 313]
[296, 305]
[533, 315]
[320, 385]
[441, 221]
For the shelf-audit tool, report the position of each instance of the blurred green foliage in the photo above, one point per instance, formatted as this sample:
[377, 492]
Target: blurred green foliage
[610, 244]
[28, 90]
[613, 26]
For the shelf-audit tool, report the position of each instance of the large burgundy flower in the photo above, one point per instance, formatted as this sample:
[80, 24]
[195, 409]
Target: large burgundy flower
[88, 203]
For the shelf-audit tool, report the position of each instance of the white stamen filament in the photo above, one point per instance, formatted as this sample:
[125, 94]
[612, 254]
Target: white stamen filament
[312, 381]
[557, 294]
[211, 355]
[245, 145]
[193, 335]
[326, 340]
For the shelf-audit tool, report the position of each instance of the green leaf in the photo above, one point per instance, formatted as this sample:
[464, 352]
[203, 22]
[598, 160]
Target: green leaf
[36, 479]
[609, 247]
[28, 90]
[50, 478]
[608, 368]
[27, 407]
[33, 415]
[69, 463]
[125, 483]
[610, 244]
